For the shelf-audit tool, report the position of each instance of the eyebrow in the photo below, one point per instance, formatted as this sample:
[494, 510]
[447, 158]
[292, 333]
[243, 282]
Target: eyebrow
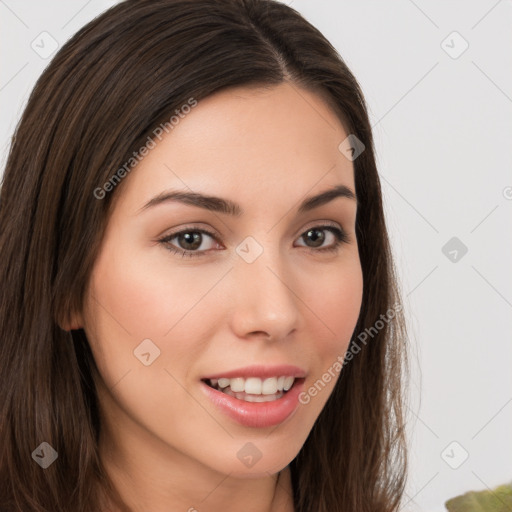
[228, 207]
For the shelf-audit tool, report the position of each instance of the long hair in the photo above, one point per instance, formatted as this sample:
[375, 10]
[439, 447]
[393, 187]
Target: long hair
[102, 95]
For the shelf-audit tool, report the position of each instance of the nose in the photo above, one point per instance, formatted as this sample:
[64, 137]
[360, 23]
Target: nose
[264, 303]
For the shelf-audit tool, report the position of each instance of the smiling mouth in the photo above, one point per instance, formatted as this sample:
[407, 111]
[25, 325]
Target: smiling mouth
[254, 389]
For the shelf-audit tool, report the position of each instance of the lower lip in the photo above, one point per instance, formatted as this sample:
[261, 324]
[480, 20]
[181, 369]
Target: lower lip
[257, 414]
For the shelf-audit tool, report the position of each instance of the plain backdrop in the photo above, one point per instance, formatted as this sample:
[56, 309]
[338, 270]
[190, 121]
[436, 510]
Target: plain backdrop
[437, 77]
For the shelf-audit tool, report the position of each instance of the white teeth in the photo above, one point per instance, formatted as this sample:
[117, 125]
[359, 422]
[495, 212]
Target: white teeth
[253, 398]
[254, 386]
[269, 386]
[223, 383]
[237, 384]
[288, 383]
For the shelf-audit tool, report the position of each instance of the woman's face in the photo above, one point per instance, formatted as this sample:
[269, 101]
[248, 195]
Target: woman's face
[251, 305]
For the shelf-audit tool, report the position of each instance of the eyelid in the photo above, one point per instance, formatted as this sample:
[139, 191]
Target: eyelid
[214, 234]
[188, 228]
[321, 223]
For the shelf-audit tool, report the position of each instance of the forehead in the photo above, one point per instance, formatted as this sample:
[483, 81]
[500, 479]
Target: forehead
[250, 143]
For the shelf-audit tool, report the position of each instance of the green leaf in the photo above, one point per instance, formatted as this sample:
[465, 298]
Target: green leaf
[496, 500]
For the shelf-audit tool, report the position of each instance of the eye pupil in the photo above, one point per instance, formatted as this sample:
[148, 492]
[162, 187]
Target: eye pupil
[194, 240]
[317, 239]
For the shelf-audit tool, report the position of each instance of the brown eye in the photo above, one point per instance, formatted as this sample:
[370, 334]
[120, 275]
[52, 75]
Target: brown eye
[316, 235]
[188, 241]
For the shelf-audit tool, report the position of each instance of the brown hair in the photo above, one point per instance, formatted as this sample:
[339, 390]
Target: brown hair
[108, 87]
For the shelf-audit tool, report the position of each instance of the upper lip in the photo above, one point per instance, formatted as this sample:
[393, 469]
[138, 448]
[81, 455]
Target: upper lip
[260, 371]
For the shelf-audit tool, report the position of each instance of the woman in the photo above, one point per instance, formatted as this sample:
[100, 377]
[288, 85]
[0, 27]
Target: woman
[199, 309]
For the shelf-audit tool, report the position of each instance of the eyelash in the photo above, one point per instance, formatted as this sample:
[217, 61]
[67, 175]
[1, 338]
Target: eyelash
[341, 237]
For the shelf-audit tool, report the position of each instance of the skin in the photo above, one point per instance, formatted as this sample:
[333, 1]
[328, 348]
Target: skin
[165, 444]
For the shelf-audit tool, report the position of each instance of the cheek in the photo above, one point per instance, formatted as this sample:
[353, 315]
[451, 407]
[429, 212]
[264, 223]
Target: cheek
[145, 295]
[147, 299]
[137, 297]
[335, 305]
[132, 305]
[336, 302]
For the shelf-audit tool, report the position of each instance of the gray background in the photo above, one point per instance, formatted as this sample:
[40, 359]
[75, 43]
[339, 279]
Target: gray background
[442, 124]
